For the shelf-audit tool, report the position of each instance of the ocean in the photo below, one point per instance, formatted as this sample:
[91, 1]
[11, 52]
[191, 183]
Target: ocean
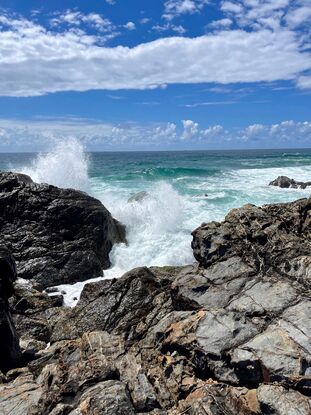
[184, 190]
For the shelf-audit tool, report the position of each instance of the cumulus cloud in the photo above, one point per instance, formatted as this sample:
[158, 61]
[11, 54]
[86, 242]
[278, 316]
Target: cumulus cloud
[76, 18]
[39, 134]
[221, 23]
[273, 14]
[169, 26]
[174, 8]
[191, 129]
[36, 61]
[130, 26]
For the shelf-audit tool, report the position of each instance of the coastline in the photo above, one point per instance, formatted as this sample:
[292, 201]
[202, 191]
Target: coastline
[227, 334]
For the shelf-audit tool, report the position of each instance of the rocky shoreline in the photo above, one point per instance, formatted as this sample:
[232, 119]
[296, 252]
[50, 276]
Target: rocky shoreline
[227, 336]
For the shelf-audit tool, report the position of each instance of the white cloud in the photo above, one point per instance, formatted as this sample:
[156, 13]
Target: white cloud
[169, 26]
[304, 82]
[36, 61]
[191, 129]
[229, 6]
[213, 131]
[130, 26]
[221, 23]
[256, 13]
[76, 18]
[254, 129]
[174, 8]
[39, 134]
[144, 20]
[298, 16]
[210, 103]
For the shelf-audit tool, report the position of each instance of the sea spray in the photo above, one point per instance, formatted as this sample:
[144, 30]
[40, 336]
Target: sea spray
[66, 165]
[157, 231]
[159, 226]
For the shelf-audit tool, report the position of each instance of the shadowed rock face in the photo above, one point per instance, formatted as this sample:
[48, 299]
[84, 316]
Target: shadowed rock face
[9, 347]
[285, 183]
[56, 235]
[230, 336]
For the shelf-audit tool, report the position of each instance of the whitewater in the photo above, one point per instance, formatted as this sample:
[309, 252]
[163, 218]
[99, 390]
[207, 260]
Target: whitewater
[184, 189]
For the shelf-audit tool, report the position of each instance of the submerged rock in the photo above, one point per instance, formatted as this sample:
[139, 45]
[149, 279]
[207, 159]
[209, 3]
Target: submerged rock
[56, 235]
[285, 182]
[138, 197]
[230, 335]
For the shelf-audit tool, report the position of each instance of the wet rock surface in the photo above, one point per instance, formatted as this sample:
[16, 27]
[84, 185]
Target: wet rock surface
[229, 336]
[285, 183]
[56, 235]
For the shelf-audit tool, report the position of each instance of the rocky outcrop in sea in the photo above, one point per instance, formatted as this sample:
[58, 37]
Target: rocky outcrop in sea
[57, 236]
[285, 182]
[228, 335]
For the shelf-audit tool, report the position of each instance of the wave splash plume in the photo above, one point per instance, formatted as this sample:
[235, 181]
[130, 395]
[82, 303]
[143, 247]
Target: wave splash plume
[157, 230]
[66, 165]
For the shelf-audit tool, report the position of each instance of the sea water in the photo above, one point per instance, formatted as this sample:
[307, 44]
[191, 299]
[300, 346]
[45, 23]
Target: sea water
[183, 189]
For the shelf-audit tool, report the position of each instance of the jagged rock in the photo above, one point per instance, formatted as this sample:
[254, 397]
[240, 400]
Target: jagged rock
[277, 400]
[21, 396]
[257, 237]
[30, 309]
[9, 347]
[56, 235]
[285, 183]
[120, 305]
[214, 398]
[109, 398]
[230, 335]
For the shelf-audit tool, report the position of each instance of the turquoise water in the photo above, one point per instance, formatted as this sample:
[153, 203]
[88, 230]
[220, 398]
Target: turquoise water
[159, 227]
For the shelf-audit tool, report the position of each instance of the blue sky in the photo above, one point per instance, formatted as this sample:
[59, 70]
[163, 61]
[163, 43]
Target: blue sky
[156, 74]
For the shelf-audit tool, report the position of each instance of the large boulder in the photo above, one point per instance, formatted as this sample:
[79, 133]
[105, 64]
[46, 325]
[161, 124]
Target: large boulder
[285, 182]
[56, 235]
[9, 346]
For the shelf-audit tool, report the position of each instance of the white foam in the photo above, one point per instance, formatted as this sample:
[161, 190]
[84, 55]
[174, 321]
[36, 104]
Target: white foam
[158, 230]
[159, 226]
[65, 165]
[158, 233]
[72, 292]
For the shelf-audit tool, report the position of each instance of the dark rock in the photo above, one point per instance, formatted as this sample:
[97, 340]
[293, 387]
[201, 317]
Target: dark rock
[285, 183]
[9, 347]
[113, 304]
[258, 238]
[56, 235]
[30, 310]
[21, 396]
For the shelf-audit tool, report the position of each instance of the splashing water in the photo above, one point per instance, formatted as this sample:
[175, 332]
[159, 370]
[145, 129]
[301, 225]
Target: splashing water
[158, 231]
[159, 226]
[65, 166]
[158, 234]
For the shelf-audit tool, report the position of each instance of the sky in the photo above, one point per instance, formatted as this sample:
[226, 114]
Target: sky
[155, 74]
